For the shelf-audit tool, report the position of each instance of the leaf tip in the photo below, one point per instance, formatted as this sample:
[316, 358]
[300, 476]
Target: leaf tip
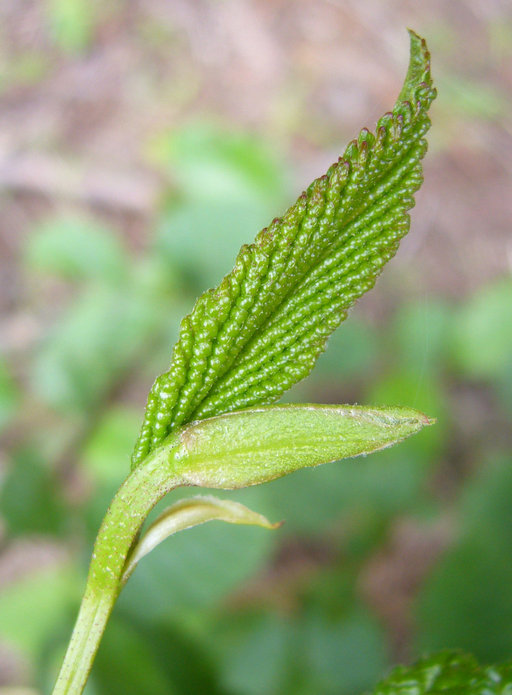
[419, 71]
[424, 420]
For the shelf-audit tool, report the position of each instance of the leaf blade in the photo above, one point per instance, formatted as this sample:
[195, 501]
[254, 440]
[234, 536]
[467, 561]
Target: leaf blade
[262, 329]
[186, 514]
[257, 445]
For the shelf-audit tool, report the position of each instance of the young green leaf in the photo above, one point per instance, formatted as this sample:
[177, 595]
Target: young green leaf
[262, 329]
[449, 672]
[186, 514]
[254, 446]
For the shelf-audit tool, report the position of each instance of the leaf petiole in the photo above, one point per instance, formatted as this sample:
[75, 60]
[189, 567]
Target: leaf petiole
[121, 526]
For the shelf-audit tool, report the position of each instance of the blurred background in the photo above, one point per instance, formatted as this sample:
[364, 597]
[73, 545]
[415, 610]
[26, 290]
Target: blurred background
[141, 142]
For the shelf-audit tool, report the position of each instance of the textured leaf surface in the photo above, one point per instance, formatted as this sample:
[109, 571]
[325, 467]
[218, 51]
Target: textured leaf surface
[262, 329]
[451, 673]
[188, 513]
[257, 445]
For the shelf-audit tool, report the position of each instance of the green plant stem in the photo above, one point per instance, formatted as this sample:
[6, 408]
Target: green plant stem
[121, 525]
[228, 451]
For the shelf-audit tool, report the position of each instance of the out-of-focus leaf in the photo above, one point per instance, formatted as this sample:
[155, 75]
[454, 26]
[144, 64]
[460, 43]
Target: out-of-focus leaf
[205, 564]
[211, 163]
[420, 337]
[466, 602]
[24, 69]
[472, 99]
[503, 387]
[452, 673]
[9, 396]
[352, 354]
[188, 513]
[91, 345]
[137, 658]
[336, 658]
[30, 497]
[485, 505]
[229, 184]
[260, 660]
[482, 332]
[76, 249]
[126, 665]
[346, 656]
[72, 22]
[197, 238]
[109, 446]
[31, 608]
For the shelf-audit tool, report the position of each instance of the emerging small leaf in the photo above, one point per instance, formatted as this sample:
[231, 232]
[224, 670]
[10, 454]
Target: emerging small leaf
[187, 514]
[262, 329]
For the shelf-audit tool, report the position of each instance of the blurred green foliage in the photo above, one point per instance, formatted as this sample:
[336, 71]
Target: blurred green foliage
[466, 602]
[482, 335]
[77, 249]
[72, 23]
[235, 610]
[228, 184]
[9, 396]
[31, 608]
[30, 498]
